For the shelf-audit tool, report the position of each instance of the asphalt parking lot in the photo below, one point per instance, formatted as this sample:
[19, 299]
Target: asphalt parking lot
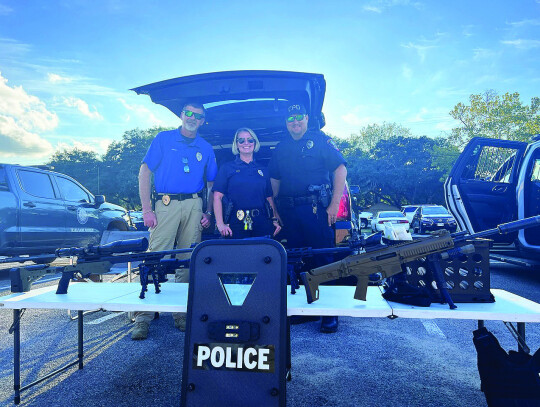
[369, 362]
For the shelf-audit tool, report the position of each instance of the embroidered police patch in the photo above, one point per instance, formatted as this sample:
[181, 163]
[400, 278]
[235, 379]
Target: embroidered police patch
[199, 156]
[260, 173]
[309, 144]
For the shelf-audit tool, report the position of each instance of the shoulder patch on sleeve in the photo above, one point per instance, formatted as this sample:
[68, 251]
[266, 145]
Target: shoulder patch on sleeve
[332, 143]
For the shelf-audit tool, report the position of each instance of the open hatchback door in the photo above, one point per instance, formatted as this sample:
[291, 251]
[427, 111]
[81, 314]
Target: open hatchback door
[233, 99]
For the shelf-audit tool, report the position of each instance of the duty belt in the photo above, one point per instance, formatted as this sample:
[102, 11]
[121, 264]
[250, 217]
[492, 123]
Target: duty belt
[246, 216]
[240, 213]
[290, 201]
[167, 198]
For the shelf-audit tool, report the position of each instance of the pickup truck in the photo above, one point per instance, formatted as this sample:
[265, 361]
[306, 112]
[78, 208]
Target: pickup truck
[42, 210]
[497, 181]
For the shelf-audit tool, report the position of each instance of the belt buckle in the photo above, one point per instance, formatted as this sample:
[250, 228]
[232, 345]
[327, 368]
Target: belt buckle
[166, 199]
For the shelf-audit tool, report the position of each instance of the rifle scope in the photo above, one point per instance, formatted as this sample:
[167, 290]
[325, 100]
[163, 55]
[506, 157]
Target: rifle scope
[119, 246]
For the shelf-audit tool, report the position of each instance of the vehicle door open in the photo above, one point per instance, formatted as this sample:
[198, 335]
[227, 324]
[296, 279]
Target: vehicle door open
[481, 189]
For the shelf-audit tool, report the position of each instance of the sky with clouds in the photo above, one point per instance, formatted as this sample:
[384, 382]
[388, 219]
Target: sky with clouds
[66, 66]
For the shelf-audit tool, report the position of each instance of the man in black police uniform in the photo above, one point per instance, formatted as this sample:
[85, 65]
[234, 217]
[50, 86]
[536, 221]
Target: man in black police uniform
[308, 174]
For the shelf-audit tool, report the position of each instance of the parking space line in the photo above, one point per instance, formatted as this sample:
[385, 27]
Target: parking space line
[432, 328]
[105, 318]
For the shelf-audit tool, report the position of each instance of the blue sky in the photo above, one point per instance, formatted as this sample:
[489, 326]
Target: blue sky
[66, 67]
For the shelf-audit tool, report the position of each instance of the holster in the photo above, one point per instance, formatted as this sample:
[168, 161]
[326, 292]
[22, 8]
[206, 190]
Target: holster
[268, 208]
[153, 198]
[324, 194]
[227, 206]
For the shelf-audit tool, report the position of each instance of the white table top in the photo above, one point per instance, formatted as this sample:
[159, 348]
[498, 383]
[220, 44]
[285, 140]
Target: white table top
[333, 300]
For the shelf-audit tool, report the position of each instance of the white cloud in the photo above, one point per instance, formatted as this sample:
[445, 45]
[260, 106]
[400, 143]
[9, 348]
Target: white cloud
[82, 107]
[445, 126]
[406, 72]
[419, 117]
[420, 49]
[141, 112]
[98, 146]
[5, 10]
[55, 78]
[468, 30]
[527, 22]
[483, 53]
[361, 116]
[523, 44]
[378, 6]
[427, 119]
[22, 118]
[373, 9]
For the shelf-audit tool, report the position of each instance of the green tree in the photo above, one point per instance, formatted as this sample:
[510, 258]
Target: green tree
[79, 164]
[399, 170]
[493, 116]
[121, 163]
[370, 135]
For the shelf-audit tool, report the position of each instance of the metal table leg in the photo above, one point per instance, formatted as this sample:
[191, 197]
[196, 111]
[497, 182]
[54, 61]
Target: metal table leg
[522, 347]
[519, 335]
[17, 355]
[80, 338]
[16, 330]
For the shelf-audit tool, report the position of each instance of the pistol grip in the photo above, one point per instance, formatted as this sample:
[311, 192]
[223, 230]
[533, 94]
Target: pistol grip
[361, 288]
[311, 286]
[17, 282]
[63, 284]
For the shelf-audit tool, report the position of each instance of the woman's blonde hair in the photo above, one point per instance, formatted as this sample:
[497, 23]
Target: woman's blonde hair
[234, 147]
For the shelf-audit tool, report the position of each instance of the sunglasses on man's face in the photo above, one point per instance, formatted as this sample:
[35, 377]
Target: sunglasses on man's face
[297, 117]
[243, 140]
[189, 113]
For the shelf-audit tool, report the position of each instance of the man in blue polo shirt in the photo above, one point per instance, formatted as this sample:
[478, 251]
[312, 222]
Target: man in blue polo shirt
[180, 160]
[308, 174]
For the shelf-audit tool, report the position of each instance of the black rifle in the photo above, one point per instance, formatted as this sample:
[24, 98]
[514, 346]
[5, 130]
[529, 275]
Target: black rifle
[98, 260]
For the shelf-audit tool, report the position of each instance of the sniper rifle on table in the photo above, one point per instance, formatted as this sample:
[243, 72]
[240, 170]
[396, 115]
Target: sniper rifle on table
[387, 261]
[97, 260]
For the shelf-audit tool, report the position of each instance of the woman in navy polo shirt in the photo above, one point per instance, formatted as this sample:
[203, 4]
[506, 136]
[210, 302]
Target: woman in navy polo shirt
[243, 203]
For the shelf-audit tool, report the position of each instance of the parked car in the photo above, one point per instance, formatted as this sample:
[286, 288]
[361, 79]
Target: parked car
[497, 181]
[42, 210]
[432, 217]
[364, 219]
[255, 99]
[396, 218]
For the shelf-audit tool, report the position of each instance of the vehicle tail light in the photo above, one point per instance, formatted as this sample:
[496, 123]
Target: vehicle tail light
[403, 221]
[381, 222]
[344, 212]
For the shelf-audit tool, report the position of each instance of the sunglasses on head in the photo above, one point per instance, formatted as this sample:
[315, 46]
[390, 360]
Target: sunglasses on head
[243, 140]
[198, 116]
[297, 117]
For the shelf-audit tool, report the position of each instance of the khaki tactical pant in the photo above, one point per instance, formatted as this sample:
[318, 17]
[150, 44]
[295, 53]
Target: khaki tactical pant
[179, 221]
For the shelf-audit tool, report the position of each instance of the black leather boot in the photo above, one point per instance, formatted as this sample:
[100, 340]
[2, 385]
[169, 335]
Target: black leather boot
[329, 325]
